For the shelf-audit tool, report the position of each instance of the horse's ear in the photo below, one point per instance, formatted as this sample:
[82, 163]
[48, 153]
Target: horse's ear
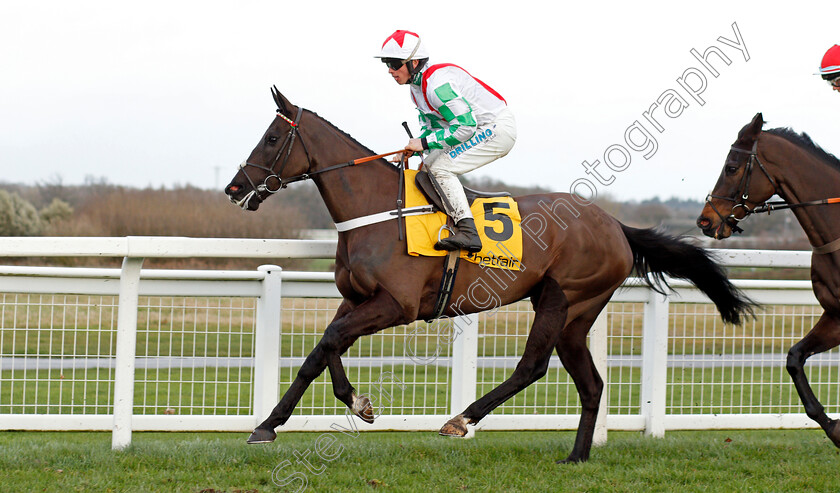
[282, 103]
[751, 130]
[757, 122]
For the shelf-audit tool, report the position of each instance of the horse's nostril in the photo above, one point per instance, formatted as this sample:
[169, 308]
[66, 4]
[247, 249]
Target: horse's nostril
[233, 188]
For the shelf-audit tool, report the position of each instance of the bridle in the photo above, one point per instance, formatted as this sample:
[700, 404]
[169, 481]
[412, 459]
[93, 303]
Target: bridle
[269, 185]
[266, 185]
[741, 195]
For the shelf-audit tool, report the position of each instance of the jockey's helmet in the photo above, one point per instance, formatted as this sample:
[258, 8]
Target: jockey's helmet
[830, 66]
[402, 46]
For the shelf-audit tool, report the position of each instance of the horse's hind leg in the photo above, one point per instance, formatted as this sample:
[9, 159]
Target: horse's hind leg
[551, 307]
[824, 336]
[577, 360]
[377, 313]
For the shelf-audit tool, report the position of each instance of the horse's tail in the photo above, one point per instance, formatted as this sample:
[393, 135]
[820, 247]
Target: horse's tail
[656, 254]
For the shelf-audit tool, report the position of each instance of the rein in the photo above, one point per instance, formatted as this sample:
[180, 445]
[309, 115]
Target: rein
[281, 183]
[769, 207]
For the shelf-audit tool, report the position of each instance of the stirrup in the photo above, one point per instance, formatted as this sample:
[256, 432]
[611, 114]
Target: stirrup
[446, 227]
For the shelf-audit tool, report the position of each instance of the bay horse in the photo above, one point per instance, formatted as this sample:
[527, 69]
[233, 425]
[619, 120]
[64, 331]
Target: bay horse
[781, 162]
[572, 264]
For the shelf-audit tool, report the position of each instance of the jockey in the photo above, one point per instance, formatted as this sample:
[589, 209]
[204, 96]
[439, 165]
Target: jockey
[830, 67]
[465, 124]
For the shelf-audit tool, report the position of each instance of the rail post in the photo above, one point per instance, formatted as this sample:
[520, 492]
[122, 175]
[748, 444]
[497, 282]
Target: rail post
[598, 348]
[655, 363]
[126, 351]
[464, 364]
[267, 343]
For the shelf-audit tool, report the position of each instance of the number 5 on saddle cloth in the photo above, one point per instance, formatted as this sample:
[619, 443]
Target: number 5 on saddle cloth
[497, 220]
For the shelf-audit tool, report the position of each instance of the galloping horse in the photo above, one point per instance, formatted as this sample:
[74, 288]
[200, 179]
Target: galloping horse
[782, 162]
[573, 264]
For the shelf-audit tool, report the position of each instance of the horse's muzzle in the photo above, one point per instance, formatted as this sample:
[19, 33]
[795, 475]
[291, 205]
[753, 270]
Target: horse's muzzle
[719, 231]
[245, 199]
[705, 225]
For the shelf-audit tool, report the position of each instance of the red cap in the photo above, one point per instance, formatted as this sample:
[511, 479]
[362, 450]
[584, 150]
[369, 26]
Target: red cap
[831, 61]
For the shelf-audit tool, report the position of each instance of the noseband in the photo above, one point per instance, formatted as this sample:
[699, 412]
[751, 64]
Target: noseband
[741, 195]
[265, 186]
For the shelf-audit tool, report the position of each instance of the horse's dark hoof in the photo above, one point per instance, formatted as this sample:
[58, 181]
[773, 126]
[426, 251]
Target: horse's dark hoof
[362, 408]
[833, 432]
[455, 427]
[261, 435]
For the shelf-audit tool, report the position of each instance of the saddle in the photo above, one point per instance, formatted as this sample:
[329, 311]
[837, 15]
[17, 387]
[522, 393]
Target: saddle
[424, 183]
[450, 264]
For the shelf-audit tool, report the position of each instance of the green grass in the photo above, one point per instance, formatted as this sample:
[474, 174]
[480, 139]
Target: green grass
[725, 461]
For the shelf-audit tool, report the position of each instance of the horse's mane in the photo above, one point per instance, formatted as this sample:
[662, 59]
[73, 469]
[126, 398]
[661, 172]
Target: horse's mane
[804, 141]
[342, 132]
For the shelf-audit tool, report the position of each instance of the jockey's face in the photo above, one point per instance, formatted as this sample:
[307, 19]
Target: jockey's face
[835, 83]
[401, 75]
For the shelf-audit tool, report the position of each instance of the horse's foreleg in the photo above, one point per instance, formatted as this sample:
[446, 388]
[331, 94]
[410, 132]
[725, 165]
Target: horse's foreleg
[378, 312]
[824, 336]
[551, 309]
[577, 360]
[342, 389]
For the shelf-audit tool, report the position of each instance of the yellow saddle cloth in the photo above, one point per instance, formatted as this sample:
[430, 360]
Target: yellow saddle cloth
[497, 220]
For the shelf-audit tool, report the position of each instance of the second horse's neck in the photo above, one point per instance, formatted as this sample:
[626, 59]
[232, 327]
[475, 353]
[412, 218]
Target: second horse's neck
[810, 180]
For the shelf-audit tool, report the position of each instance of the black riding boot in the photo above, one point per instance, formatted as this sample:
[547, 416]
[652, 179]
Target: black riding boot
[465, 239]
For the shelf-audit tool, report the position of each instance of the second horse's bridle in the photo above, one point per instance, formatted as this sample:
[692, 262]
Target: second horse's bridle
[741, 195]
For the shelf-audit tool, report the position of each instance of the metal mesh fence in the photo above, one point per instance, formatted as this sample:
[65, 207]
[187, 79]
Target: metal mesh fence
[57, 354]
[195, 357]
[717, 368]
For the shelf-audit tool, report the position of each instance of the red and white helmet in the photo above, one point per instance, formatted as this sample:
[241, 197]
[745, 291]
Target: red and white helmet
[404, 45]
[830, 66]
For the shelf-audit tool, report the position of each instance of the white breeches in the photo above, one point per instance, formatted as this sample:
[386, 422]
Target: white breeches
[490, 142]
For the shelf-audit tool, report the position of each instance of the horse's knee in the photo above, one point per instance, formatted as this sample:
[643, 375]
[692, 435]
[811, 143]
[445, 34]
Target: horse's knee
[313, 365]
[531, 371]
[795, 360]
[540, 370]
[331, 340]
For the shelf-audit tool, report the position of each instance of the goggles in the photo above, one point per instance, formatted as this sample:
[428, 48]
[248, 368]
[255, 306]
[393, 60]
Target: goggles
[835, 82]
[393, 63]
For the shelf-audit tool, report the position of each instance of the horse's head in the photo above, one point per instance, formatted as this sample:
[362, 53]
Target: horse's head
[744, 184]
[279, 155]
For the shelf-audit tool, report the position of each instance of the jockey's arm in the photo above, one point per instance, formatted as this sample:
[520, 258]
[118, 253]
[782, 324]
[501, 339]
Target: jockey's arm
[457, 113]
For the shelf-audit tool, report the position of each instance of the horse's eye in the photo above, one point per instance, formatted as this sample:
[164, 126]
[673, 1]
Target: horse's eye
[270, 139]
[731, 170]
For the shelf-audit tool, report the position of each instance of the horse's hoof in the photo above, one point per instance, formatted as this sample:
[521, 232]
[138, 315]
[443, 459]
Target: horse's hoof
[261, 435]
[455, 427]
[362, 408]
[833, 432]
